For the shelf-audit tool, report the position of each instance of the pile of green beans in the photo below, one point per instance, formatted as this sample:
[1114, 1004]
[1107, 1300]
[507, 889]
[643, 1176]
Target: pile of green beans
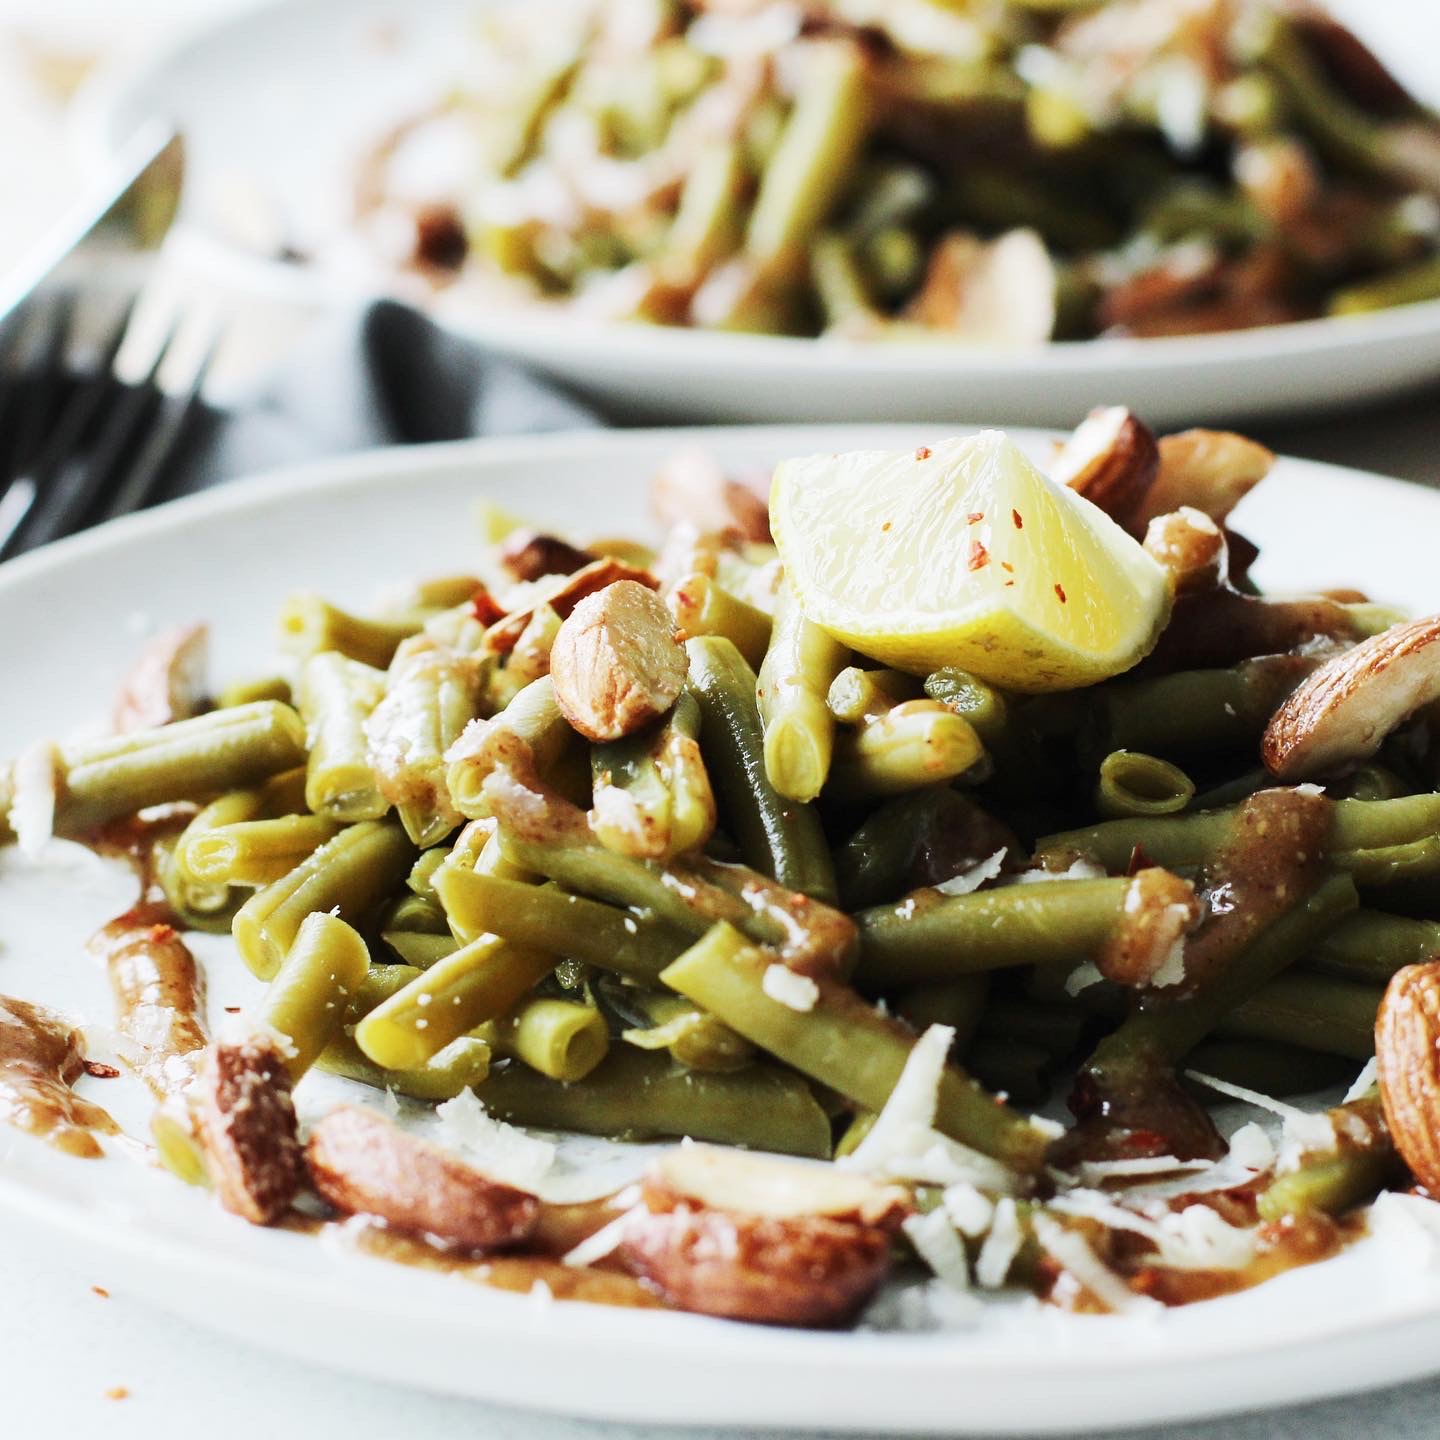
[826, 195]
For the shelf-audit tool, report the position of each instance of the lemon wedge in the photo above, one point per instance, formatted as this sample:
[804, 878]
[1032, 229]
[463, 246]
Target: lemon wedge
[965, 554]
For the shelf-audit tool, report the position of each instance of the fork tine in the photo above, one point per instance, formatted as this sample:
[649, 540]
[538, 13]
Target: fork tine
[37, 376]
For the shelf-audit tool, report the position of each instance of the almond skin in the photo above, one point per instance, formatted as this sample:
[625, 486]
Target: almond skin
[1211, 470]
[245, 1120]
[810, 1270]
[617, 663]
[504, 634]
[362, 1164]
[1112, 459]
[1343, 712]
[529, 555]
[1407, 1054]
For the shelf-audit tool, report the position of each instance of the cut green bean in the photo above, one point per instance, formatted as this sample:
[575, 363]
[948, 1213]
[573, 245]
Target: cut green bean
[1314, 1012]
[558, 1038]
[1335, 1181]
[337, 698]
[799, 668]
[462, 1065]
[532, 717]
[917, 743]
[252, 852]
[185, 760]
[1263, 1066]
[1132, 783]
[350, 875]
[1369, 946]
[310, 625]
[780, 838]
[247, 692]
[231, 809]
[857, 695]
[419, 949]
[1409, 286]
[701, 606]
[694, 1038]
[957, 1003]
[307, 999]
[844, 1043]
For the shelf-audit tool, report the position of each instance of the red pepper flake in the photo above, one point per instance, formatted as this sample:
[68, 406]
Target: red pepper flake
[923, 453]
[232, 1009]
[1009, 583]
[885, 527]
[979, 556]
[975, 516]
[117, 1392]
[1015, 516]
[98, 1071]
[484, 607]
[101, 1291]
[1060, 591]
[1139, 860]
[1007, 567]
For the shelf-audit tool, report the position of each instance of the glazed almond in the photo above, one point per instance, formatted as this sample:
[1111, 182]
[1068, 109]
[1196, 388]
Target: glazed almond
[166, 682]
[1211, 470]
[364, 1165]
[1111, 459]
[1342, 713]
[1407, 1057]
[617, 663]
[245, 1120]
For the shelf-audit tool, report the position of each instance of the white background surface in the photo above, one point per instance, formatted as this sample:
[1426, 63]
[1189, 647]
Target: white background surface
[61, 1346]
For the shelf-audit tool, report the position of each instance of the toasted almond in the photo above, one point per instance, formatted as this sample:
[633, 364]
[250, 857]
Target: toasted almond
[810, 1270]
[617, 663]
[1148, 945]
[1190, 545]
[766, 1185]
[1112, 460]
[245, 1118]
[1407, 1058]
[364, 1165]
[529, 555]
[563, 597]
[1211, 470]
[166, 682]
[691, 488]
[1342, 713]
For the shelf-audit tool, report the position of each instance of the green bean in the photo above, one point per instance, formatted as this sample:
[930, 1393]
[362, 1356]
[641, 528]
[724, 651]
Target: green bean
[348, 874]
[972, 699]
[700, 606]
[1408, 286]
[930, 937]
[1370, 781]
[1188, 840]
[1232, 792]
[842, 1042]
[208, 908]
[1165, 1032]
[855, 1133]
[635, 1095]
[1269, 1068]
[185, 760]
[430, 698]
[252, 852]
[532, 717]
[246, 692]
[438, 592]
[1014, 1069]
[462, 1065]
[957, 1003]
[379, 984]
[1334, 1181]
[545, 917]
[799, 668]
[707, 221]
[780, 838]
[1054, 1029]
[237, 806]
[692, 1037]
[1132, 783]
[558, 1038]
[422, 913]
[307, 999]
[857, 695]
[1369, 946]
[1314, 1012]
[528, 660]
[822, 136]
[284, 793]
[841, 285]
[917, 743]
[894, 261]
[1197, 710]
[310, 625]
[418, 948]
[481, 981]
[1386, 867]
[651, 794]
[337, 697]
[422, 873]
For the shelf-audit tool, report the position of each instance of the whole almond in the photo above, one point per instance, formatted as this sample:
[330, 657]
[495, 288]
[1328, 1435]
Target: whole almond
[1407, 1056]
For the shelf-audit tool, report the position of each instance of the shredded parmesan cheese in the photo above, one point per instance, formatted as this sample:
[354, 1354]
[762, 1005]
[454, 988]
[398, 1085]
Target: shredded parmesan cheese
[499, 1150]
[969, 1210]
[973, 878]
[1082, 977]
[32, 811]
[1363, 1081]
[790, 988]
[912, 1101]
[938, 1245]
[1097, 1171]
[603, 1242]
[1001, 1246]
[1069, 1250]
[1306, 1129]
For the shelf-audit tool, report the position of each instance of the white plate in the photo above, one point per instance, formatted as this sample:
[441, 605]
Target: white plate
[286, 93]
[69, 618]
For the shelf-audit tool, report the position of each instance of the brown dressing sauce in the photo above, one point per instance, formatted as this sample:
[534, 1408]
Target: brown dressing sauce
[40, 1059]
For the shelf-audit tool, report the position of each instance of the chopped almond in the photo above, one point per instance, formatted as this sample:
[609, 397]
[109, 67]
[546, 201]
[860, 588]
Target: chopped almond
[617, 663]
[246, 1123]
[167, 682]
[362, 1164]
[563, 598]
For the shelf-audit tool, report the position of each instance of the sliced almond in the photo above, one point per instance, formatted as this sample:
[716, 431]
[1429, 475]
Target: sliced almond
[245, 1118]
[529, 555]
[1342, 713]
[563, 597]
[692, 488]
[1111, 459]
[810, 1270]
[765, 1185]
[1407, 1058]
[1210, 470]
[364, 1165]
[167, 682]
[617, 663]
[1190, 545]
